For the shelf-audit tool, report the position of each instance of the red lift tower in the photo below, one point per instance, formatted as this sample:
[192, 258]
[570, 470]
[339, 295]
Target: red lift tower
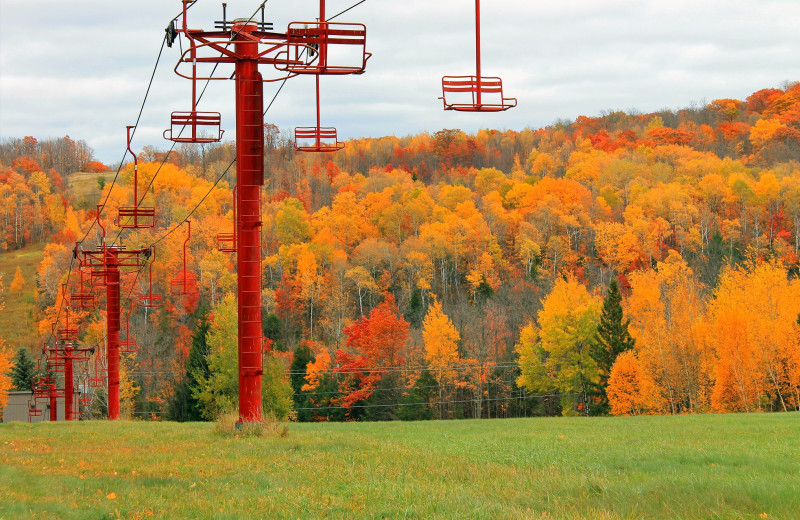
[246, 44]
[105, 263]
[63, 355]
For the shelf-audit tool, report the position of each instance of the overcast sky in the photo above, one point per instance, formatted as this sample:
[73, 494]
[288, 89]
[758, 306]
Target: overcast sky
[81, 67]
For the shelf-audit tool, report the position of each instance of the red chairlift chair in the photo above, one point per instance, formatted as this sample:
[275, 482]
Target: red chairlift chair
[82, 298]
[204, 127]
[85, 398]
[98, 380]
[185, 283]
[129, 345]
[99, 275]
[66, 334]
[41, 385]
[475, 93]
[316, 138]
[324, 47]
[33, 410]
[150, 299]
[136, 216]
[226, 242]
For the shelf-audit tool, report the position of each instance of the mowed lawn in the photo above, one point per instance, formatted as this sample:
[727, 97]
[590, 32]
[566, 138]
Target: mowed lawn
[712, 466]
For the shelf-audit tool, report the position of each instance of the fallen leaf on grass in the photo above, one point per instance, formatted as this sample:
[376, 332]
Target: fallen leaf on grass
[111, 496]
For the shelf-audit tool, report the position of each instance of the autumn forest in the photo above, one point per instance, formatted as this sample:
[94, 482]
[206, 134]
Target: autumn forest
[623, 264]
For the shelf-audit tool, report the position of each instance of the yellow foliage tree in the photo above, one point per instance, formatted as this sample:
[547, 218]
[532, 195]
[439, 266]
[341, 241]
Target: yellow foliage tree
[6, 363]
[441, 343]
[18, 283]
[764, 130]
[128, 389]
[556, 356]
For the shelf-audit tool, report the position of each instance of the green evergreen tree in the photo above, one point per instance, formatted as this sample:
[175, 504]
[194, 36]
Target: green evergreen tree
[414, 312]
[612, 339]
[184, 405]
[273, 329]
[197, 368]
[24, 371]
[302, 357]
[413, 406]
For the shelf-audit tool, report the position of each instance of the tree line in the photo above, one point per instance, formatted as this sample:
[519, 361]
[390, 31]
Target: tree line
[455, 275]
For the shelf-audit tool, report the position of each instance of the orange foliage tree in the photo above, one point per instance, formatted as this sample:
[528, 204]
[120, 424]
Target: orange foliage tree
[631, 388]
[754, 323]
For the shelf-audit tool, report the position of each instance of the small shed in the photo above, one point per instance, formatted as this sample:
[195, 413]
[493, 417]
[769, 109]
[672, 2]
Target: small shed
[18, 405]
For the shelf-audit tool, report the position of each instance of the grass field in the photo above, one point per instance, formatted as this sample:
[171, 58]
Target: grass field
[84, 188]
[720, 467]
[17, 325]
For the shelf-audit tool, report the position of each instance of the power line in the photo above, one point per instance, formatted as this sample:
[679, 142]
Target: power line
[460, 401]
[342, 12]
[407, 388]
[402, 368]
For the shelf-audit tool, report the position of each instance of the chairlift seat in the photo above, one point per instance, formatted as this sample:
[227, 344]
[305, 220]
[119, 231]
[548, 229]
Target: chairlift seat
[315, 48]
[100, 277]
[150, 300]
[323, 139]
[475, 94]
[128, 346]
[226, 242]
[67, 334]
[184, 284]
[136, 217]
[204, 127]
[82, 300]
[41, 393]
[33, 411]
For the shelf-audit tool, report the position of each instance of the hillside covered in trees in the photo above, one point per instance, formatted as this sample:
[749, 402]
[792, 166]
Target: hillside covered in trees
[629, 263]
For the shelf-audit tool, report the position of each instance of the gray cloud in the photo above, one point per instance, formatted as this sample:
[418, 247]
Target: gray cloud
[80, 67]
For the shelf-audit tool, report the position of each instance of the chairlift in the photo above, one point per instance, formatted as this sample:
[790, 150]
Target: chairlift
[316, 138]
[204, 127]
[150, 299]
[129, 345]
[324, 47]
[66, 334]
[226, 242]
[185, 283]
[136, 216]
[33, 410]
[475, 93]
[83, 298]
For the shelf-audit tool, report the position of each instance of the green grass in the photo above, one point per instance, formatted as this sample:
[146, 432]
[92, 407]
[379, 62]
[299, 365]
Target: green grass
[84, 189]
[17, 326]
[717, 467]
